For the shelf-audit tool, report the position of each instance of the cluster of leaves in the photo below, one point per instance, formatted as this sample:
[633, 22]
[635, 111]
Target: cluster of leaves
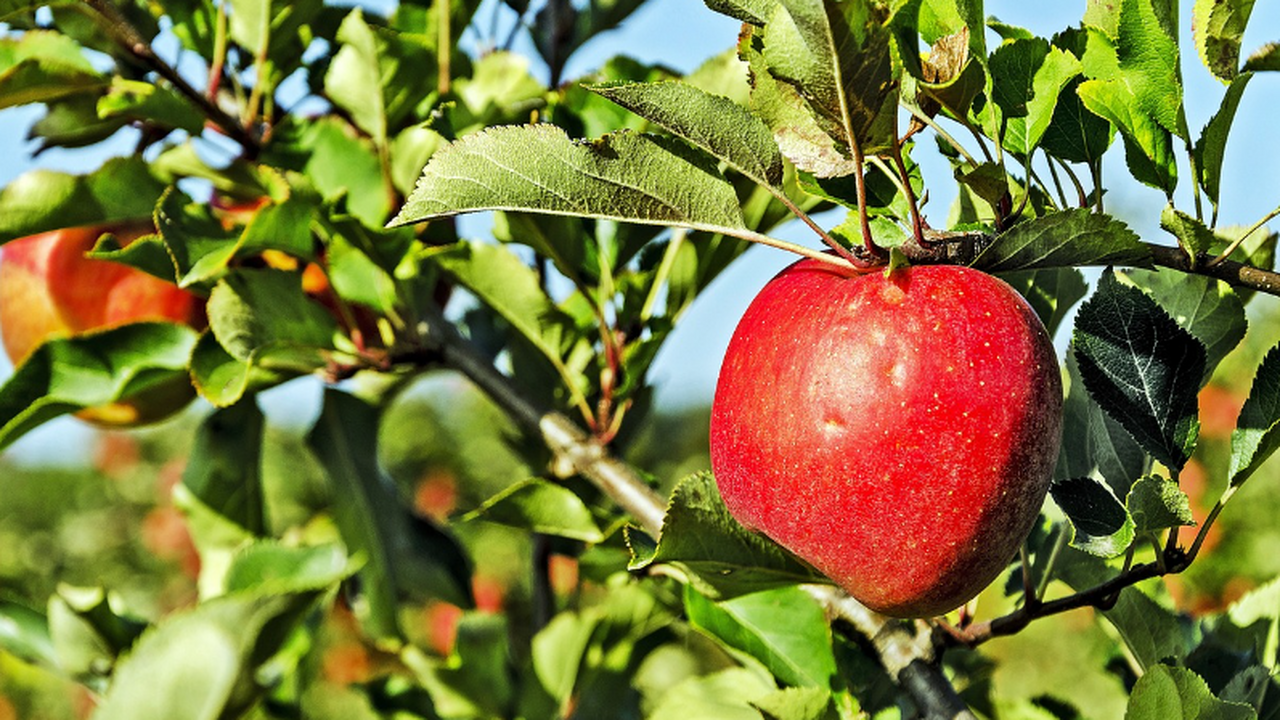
[325, 248]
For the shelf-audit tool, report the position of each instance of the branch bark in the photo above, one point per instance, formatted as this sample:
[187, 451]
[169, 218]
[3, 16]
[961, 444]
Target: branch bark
[906, 650]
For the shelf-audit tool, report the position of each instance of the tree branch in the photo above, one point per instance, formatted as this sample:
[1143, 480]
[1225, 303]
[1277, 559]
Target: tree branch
[128, 38]
[906, 650]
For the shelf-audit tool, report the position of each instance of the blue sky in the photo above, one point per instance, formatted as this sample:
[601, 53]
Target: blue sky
[683, 33]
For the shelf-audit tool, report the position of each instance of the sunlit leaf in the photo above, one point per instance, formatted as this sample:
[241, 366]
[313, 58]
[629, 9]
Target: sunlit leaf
[540, 506]
[1173, 692]
[1064, 239]
[1157, 503]
[1218, 26]
[40, 200]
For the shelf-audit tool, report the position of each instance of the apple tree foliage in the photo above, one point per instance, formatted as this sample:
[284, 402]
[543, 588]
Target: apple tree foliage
[277, 141]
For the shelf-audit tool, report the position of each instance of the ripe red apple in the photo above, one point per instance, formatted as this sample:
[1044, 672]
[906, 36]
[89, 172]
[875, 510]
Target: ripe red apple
[49, 289]
[896, 433]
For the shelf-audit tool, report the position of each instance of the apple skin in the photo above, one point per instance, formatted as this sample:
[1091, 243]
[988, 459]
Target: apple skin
[897, 433]
[49, 289]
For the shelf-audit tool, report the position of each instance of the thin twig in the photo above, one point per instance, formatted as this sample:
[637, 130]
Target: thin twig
[128, 38]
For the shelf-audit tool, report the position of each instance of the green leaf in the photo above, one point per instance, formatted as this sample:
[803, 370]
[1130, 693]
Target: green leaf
[1156, 503]
[1255, 437]
[88, 633]
[144, 101]
[1027, 77]
[88, 371]
[837, 56]
[1051, 292]
[755, 12]
[41, 66]
[537, 168]
[1218, 26]
[1100, 525]
[200, 664]
[25, 634]
[798, 652]
[344, 166]
[1093, 442]
[500, 89]
[1142, 368]
[1165, 692]
[1193, 235]
[721, 557]
[1148, 146]
[1207, 308]
[543, 507]
[724, 695]
[401, 555]
[1212, 144]
[196, 241]
[714, 123]
[264, 317]
[1074, 133]
[222, 379]
[224, 470]
[41, 200]
[267, 567]
[796, 703]
[1064, 239]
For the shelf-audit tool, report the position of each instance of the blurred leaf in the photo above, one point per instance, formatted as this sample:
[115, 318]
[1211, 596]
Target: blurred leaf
[1172, 692]
[1212, 144]
[357, 278]
[558, 650]
[480, 672]
[1075, 134]
[1093, 441]
[1207, 308]
[1101, 525]
[1064, 239]
[398, 554]
[537, 168]
[72, 122]
[721, 557]
[1156, 503]
[797, 703]
[1265, 58]
[500, 89]
[344, 165]
[1218, 26]
[224, 470]
[543, 507]
[40, 200]
[837, 56]
[197, 242]
[144, 101]
[1255, 437]
[25, 633]
[263, 317]
[716, 124]
[1050, 292]
[200, 664]
[1142, 368]
[70, 374]
[798, 652]
[724, 695]
[43, 65]
[267, 567]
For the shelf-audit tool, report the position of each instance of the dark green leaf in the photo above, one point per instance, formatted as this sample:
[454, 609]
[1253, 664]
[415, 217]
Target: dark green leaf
[1142, 368]
[1265, 58]
[1255, 437]
[222, 379]
[716, 124]
[1075, 134]
[722, 558]
[400, 555]
[1156, 503]
[1064, 239]
[1212, 144]
[197, 242]
[1165, 692]
[537, 168]
[1193, 235]
[798, 652]
[225, 467]
[25, 634]
[40, 200]
[1093, 441]
[1101, 525]
[540, 506]
[1218, 26]
[90, 371]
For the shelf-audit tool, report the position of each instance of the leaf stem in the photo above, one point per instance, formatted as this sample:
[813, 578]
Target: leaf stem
[128, 38]
[1240, 240]
[942, 133]
[444, 46]
[860, 181]
[827, 240]
[1208, 522]
[917, 224]
[660, 275]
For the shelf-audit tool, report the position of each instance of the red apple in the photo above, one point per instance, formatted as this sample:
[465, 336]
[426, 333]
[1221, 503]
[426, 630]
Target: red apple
[49, 289]
[897, 433]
